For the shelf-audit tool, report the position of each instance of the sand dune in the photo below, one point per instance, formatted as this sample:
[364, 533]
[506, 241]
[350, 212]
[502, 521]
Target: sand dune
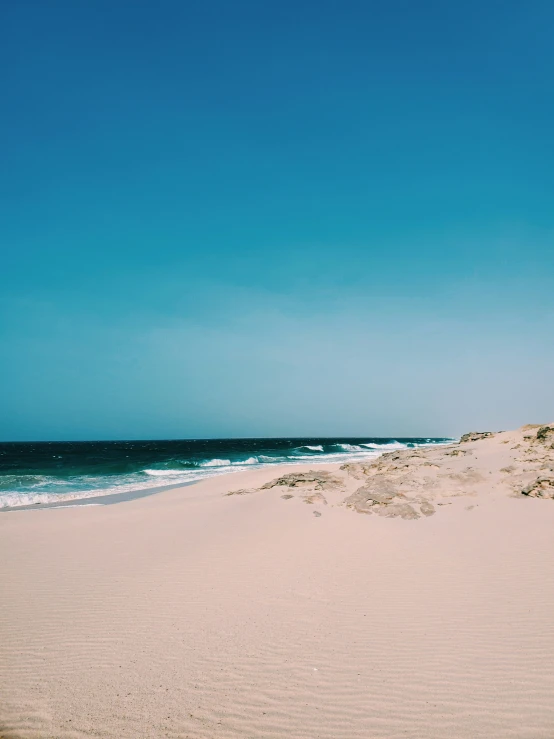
[195, 613]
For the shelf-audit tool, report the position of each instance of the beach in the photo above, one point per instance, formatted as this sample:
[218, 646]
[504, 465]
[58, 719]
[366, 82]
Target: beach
[406, 596]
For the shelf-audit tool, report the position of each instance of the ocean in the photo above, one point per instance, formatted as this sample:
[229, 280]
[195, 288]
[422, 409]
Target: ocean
[50, 472]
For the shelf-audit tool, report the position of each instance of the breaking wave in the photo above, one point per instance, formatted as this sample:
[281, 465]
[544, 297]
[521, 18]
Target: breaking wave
[216, 463]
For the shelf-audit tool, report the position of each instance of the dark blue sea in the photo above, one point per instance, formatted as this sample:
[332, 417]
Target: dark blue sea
[47, 472]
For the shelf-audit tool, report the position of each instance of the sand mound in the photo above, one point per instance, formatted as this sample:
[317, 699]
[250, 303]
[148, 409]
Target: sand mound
[410, 483]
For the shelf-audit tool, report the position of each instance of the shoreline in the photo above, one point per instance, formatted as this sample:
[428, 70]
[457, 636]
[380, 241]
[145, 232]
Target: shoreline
[97, 500]
[130, 495]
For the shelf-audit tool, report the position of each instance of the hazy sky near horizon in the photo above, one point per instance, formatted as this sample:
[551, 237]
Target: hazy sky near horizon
[275, 218]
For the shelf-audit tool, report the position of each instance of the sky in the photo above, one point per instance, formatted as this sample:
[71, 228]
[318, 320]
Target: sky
[229, 219]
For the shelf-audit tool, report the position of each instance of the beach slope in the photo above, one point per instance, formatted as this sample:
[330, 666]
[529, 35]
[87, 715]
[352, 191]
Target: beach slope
[411, 597]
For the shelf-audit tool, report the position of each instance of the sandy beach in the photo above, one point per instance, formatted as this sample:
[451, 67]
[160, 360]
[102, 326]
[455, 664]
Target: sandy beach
[411, 597]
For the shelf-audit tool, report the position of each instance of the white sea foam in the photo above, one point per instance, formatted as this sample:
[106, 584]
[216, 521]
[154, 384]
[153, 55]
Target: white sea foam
[78, 505]
[318, 448]
[166, 473]
[390, 445]
[216, 463]
[250, 460]
[15, 500]
[336, 457]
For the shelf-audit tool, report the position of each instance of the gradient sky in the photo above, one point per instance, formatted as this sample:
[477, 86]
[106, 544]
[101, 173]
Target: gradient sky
[275, 218]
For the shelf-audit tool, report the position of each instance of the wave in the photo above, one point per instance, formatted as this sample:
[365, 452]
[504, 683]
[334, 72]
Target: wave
[8, 482]
[318, 448]
[166, 473]
[387, 445]
[263, 458]
[15, 500]
[216, 463]
[250, 460]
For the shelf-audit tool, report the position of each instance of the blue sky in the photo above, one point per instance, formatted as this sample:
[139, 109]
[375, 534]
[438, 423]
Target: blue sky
[275, 218]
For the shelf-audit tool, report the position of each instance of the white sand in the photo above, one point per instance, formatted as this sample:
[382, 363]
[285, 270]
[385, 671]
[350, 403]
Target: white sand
[194, 614]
